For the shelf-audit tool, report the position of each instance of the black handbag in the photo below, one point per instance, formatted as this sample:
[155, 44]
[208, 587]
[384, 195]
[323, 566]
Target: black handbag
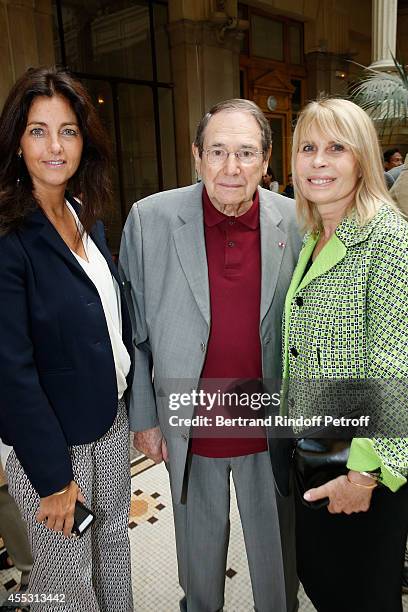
[316, 461]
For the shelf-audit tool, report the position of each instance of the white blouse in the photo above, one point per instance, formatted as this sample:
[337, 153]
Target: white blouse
[98, 271]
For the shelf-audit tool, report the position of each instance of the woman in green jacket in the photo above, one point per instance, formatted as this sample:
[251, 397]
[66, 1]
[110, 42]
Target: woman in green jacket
[346, 318]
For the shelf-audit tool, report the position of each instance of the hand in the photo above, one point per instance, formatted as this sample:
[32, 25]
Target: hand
[57, 511]
[344, 496]
[152, 444]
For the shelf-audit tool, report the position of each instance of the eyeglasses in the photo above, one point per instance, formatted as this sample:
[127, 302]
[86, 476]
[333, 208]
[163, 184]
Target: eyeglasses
[217, 156]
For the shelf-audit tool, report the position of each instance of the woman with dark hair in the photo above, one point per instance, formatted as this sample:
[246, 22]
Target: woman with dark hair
[269, 181]
[65, 346]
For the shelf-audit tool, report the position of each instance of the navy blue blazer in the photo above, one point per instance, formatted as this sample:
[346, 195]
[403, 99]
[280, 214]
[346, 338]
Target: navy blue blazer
[57, 373]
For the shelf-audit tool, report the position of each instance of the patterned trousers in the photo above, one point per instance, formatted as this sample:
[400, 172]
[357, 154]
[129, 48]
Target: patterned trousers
[92, 571]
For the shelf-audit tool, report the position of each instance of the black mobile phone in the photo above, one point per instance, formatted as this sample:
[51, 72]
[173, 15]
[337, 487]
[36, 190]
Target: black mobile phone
[83, 519]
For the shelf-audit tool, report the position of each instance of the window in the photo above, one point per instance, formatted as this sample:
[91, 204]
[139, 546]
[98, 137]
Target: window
[272, 38]
[120, 50]
[267, 38]
[108, 37]
[295, 44]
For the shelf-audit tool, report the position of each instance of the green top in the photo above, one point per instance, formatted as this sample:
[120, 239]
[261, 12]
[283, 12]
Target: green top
[352, 323]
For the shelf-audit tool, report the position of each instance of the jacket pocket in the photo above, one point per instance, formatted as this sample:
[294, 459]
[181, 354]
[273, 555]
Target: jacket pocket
[49, 371]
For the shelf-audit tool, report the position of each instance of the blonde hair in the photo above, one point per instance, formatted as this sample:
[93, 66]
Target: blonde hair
[346, 123]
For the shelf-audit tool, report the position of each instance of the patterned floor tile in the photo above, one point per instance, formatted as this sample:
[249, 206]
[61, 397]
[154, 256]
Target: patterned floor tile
[160, 540]
[154, 574]
[154, 567]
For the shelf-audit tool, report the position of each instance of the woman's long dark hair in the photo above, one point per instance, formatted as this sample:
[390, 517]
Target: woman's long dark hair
[91, 182]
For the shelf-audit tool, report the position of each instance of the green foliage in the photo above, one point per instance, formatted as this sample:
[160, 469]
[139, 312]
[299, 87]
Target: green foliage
[384, 95]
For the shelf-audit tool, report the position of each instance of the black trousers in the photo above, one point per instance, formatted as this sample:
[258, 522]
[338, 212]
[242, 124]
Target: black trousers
[354, 563]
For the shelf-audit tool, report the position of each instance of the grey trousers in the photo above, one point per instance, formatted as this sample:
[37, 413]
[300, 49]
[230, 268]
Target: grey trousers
[14, 534]
[202, 527]
[92, 571]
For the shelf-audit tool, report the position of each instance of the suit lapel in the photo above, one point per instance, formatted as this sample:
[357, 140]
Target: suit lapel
[98, 239]
[304, 257]
[102, 246]
[273, 241]
[49, 234]
[333, 252]
[190, 245]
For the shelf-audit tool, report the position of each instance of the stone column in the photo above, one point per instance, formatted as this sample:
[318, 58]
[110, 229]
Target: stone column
[205, 71]
[26, 39]
[327, 46]
[384, 33]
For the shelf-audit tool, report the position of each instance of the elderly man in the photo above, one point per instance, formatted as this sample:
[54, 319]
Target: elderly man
[207, 268]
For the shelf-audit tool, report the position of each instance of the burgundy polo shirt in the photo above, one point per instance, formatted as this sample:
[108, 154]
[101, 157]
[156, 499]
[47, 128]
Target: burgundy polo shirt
[234, 349]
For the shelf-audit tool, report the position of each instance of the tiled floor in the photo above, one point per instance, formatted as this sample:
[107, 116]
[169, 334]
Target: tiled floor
[154, 574]
[155, 584]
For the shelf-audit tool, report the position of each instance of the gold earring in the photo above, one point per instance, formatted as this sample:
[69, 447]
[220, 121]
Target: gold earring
[19, 164]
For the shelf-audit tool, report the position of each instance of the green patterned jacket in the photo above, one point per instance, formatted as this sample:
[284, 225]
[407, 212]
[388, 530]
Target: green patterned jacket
[347, 318]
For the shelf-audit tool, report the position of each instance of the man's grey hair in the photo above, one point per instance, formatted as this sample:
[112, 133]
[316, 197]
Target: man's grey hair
[236, 104]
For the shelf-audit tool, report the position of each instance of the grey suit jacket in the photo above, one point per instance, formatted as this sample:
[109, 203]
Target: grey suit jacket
[163, 262]
[399, 190]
